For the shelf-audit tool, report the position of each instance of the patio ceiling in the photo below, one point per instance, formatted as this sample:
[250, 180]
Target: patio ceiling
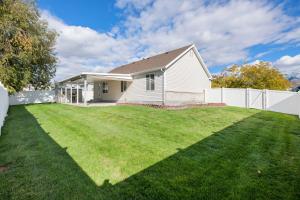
[91, 77]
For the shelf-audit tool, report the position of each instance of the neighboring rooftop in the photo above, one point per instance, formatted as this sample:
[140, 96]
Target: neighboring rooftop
[152, 62]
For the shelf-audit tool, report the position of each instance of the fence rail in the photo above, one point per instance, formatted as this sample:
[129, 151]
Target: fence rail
[4, 104]
[272, 100]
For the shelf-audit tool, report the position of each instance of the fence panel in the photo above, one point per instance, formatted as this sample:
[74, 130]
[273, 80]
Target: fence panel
[283, 101]
[213, 95]
[234, 97]
[273, 100]
[27, 97]
[255, 98]
[4, 104]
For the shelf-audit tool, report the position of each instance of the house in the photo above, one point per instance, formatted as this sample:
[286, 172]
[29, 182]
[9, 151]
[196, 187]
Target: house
[174, 77]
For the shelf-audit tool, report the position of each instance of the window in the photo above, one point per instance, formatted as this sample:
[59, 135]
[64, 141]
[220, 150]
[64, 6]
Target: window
[123, 86]
[150, 82]
[104, 87]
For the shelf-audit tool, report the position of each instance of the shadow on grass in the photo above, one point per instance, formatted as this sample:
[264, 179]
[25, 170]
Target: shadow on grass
[256, 158]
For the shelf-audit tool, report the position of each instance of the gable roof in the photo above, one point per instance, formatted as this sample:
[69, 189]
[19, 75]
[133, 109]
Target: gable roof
[164, 60]
[153, 62]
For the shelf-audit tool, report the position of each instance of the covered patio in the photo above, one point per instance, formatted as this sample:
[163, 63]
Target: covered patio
[93, 89]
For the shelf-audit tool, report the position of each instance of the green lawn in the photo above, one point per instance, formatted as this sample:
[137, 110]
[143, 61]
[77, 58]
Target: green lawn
[55, 151]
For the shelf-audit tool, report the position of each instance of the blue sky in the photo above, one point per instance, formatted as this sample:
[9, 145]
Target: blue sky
[98, 35]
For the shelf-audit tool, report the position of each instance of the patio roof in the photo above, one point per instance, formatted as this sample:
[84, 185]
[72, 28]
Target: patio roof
[89, 76]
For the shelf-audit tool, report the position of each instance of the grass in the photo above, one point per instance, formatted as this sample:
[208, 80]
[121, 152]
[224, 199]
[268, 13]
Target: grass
[55, 151]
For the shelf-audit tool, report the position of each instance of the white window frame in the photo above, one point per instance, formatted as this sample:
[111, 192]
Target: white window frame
[123, 86]
[104, 87]
[150, 82]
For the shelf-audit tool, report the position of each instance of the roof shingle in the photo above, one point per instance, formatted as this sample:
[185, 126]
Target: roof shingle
[152, 62]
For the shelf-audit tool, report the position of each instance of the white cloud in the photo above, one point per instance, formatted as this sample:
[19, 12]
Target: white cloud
[222, 30]
[290, 36]
[289, 64]
[83, 49]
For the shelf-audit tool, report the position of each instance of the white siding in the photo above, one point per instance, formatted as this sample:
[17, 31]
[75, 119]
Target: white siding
[114, 91]
[97, 91]
[136, 91]
[186, 76]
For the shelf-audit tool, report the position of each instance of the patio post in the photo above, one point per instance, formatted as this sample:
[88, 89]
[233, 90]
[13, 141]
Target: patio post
[61, 94]
[71, 94]
[66, 94]
[77, 94]
[85, 89]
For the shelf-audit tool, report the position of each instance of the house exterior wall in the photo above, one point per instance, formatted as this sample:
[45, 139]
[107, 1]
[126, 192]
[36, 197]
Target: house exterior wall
[114, 92]
[97, 91]
[186, 80]
[137, 93]
[136, 90]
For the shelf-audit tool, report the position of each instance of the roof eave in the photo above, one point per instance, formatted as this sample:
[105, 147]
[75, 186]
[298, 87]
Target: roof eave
[110, 76]
[202, 63]
[179, 56]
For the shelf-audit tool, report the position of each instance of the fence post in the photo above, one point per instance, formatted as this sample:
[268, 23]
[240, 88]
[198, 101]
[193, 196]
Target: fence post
[247, 98]
[299, 105]
[222, 95]
[4, 105]
[265, 99]
[204, 95]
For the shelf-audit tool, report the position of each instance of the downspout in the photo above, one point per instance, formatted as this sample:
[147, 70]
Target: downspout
[163, 87]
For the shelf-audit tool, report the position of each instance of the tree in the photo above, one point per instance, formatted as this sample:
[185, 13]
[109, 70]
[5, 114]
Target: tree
[26, 47]
[260, 76]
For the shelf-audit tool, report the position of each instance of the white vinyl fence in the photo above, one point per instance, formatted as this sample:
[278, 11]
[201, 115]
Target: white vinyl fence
[4, 104]
[27, 97]
[272, 100]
